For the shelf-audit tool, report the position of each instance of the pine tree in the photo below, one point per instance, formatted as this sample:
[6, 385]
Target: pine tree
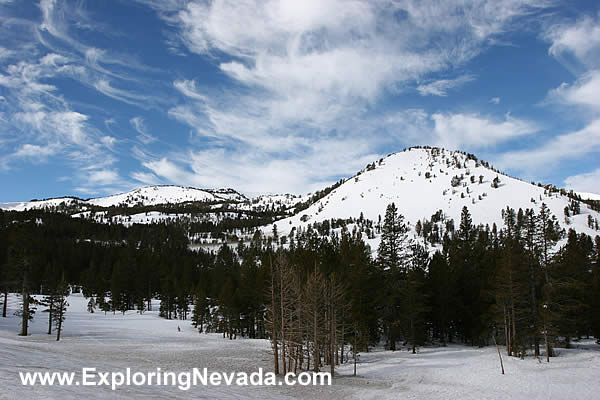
[28, 302]
[442, 286]
[201, 310]
[548, 235]
[571, 277]
[393, 260]
[104, 305]
[512, 288]
[532, 255]
[414, 298]
[273, 314]
[62, 292]
[49, 301]
[393, 248]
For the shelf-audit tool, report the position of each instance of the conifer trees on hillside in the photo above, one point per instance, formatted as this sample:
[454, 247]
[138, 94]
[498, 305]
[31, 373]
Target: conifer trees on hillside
[321, 293]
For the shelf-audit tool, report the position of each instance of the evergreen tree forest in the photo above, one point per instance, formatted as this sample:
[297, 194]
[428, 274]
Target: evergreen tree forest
[318, 294]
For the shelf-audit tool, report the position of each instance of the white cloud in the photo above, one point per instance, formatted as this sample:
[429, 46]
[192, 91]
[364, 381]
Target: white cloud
[440, 87]
[495, 100]
[188, 88]
[42, 120]
[580, 40]
[260, 168]
[249, 171]
[146, 178]
[104, 86]
[564, 147]
[6, 53]
[103, 177]
[109, 142]
[86, 190]
[38, 119]
[472, 131]
[66, 127]
[584, 92]
[588, 182]
[140, 127]
[35, 152]
[305, 75]
[92, 66]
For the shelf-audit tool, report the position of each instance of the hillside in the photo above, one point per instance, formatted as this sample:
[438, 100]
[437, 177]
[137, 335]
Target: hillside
[423, 181]
[145, 196]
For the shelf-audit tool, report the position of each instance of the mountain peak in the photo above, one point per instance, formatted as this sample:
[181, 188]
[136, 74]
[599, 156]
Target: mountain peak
[422, 181]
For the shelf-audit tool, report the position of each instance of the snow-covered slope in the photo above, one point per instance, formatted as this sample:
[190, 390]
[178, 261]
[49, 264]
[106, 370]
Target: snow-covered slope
[419, 182]
[267, 202]
[147, 196]
[153, 195]
[49, 203]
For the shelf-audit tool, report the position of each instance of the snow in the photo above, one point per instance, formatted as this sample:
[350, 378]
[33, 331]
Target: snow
[147, 196]
[145, 342]
[153, 217]
[401, 178]
[268, 201]
[153, 195]
[460, 372]
[21, 206]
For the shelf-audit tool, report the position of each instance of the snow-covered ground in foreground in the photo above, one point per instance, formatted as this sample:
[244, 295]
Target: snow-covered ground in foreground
[145, 342]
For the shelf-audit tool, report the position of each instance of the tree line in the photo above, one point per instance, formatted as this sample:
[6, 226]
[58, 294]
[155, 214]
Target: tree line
[322, 298]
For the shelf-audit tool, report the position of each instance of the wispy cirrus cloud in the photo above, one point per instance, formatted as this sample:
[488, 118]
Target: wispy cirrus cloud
[582, 93]
[306, 74]
[580, 40]
[104, 177]
[273, 95]
[142, 130]
[472, 131]
[6, 53]
[440, 87]
[40, 124]
[577, 46]
[34, 151]
[568, 146]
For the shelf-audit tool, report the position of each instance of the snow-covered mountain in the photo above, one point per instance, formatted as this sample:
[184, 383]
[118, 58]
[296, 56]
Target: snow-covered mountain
[420, 181]
[145, 196]
[423, 181]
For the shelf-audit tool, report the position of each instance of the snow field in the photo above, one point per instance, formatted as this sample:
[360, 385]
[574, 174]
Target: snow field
[145, 342]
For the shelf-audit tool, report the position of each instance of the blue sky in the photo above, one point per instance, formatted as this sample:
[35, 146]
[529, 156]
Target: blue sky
[288, 96]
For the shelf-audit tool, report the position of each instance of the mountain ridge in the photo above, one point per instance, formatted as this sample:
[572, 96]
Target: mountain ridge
[422, 181]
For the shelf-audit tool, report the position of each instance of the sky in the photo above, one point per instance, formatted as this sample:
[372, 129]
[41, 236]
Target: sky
[288, 96]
